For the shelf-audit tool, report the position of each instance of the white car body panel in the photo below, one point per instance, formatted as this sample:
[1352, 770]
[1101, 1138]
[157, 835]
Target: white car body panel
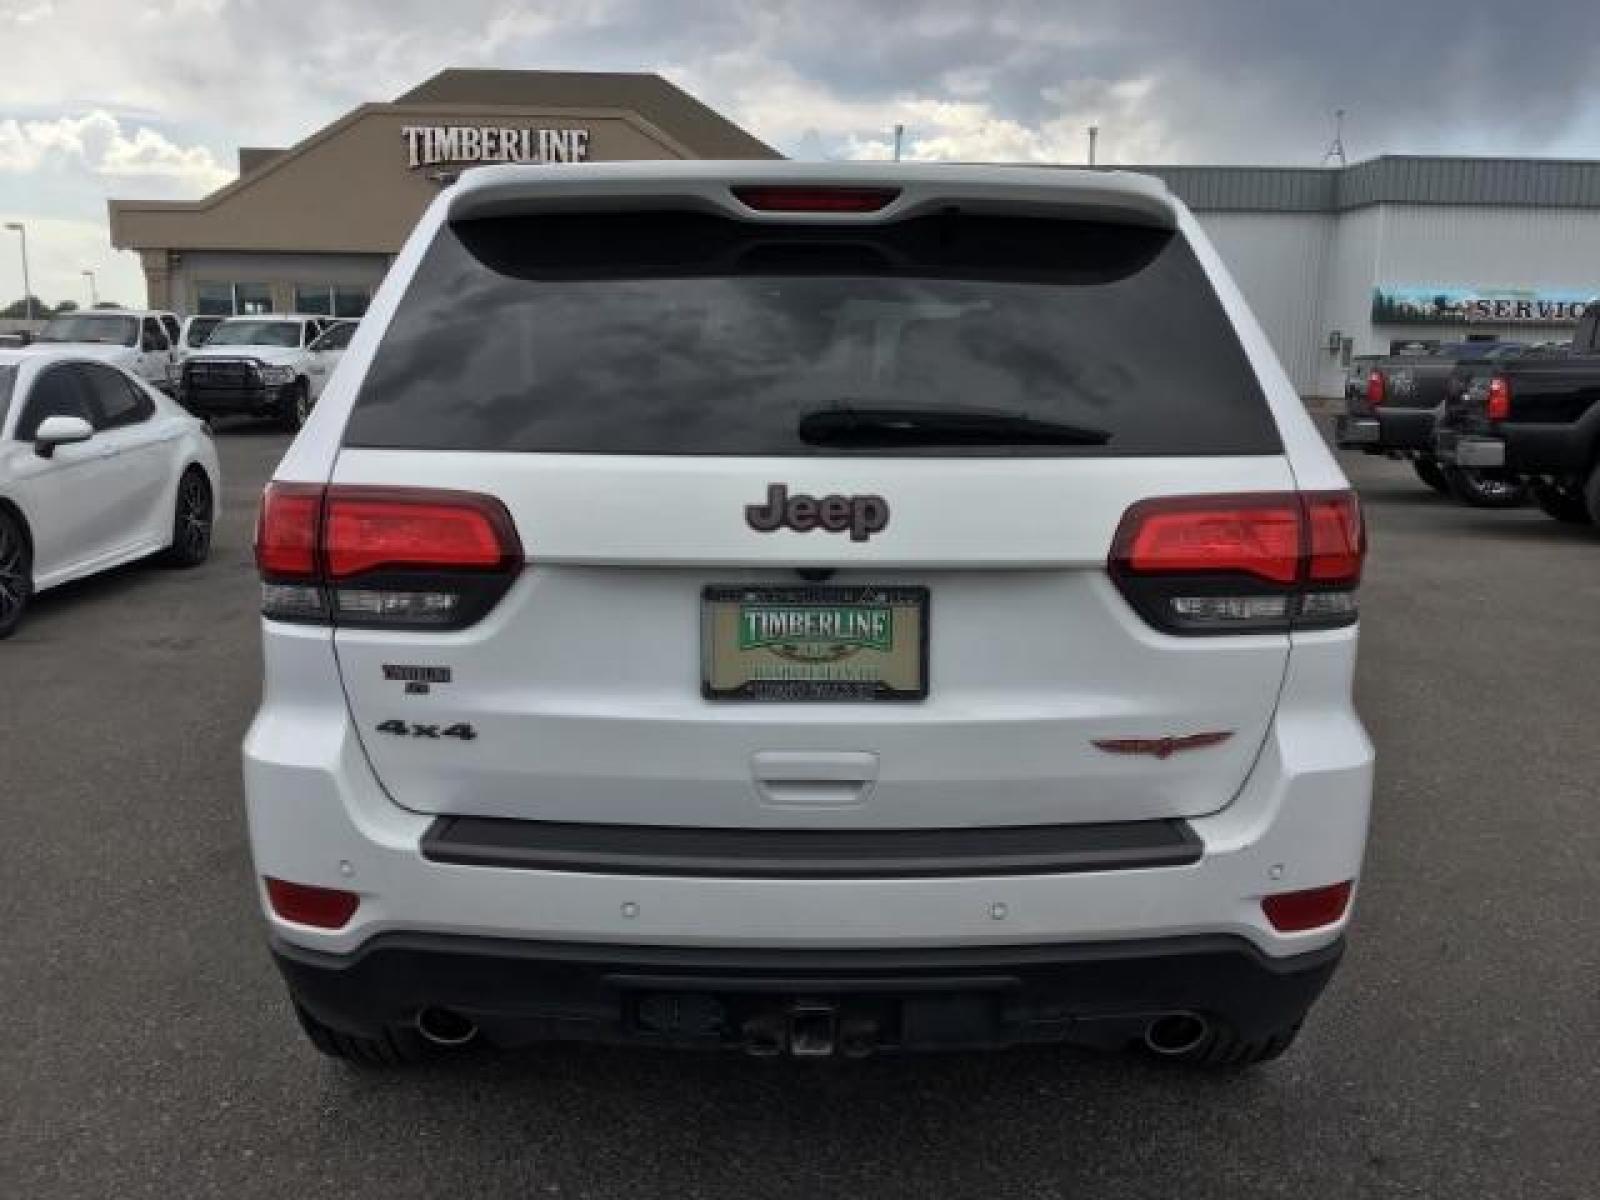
[1004, 738]
[104, 502]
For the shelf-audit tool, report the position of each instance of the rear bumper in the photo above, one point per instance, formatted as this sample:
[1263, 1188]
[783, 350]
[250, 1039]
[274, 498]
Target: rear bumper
[1398, 430]
[1468, 450]
[247, 401]
[1101, 994]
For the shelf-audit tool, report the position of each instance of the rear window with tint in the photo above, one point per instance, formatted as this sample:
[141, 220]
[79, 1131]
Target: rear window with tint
[676, 333]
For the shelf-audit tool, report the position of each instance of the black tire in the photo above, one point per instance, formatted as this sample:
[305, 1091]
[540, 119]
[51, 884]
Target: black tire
[16, 573]
[1222, 1048]
[194, 517]
[1564, 503]
[295, 406]
[1484, 489]
[1431, 473]
[394, 1048]
[1591, 494]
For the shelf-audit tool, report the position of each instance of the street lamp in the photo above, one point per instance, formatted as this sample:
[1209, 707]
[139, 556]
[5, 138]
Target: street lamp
[94, 296]
[27, 288]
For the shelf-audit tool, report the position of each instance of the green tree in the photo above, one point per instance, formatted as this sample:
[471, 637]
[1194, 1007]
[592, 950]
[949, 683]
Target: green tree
[17, 310]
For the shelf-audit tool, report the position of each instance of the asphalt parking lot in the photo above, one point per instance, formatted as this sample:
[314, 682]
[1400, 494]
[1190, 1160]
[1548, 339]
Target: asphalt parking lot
[150, 1051]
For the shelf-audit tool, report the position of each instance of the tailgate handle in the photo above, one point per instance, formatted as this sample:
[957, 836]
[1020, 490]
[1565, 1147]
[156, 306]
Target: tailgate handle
[814, 778]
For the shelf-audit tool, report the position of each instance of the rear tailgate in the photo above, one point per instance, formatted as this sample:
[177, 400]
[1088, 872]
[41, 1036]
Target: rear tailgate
[628, 385]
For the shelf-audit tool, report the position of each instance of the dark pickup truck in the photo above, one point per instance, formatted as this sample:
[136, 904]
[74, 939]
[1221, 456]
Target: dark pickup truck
[1391, 404]
[1535, 418]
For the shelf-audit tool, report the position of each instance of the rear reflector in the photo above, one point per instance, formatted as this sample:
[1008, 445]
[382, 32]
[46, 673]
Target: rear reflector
[383, 557]
[778, 198]
[1499, 404]
[1295, 912]
[1249, 563]
[304, 904]
[1375, 387]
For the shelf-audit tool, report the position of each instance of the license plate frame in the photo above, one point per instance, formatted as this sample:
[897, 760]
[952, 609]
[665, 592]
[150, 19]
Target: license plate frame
[721, 681]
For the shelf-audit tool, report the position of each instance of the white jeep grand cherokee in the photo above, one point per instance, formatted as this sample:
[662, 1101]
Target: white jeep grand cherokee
[808, 608]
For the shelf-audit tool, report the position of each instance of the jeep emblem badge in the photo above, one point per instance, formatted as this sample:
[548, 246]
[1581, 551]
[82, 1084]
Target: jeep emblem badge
[863, 516]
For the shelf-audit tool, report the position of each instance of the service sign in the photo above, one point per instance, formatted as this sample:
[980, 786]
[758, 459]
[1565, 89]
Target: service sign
[457, 145]
[1478, 306]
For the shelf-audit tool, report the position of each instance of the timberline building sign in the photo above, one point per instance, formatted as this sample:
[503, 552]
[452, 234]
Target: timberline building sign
[1478, 306]
[443, 145]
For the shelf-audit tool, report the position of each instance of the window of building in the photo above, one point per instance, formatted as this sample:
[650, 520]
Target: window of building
[331, 300]
[232, 299]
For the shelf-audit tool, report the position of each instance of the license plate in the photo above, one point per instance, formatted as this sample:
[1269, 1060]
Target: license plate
[814, 643]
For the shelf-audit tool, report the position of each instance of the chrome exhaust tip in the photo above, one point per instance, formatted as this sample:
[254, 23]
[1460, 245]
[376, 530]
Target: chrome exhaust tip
[1176, 1033]
[443, 1027]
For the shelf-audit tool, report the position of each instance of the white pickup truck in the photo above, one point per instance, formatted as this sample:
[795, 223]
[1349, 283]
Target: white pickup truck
[256, 366]
[142, 342]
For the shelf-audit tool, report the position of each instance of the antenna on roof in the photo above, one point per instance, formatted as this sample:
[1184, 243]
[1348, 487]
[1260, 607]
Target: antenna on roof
[1336, 147]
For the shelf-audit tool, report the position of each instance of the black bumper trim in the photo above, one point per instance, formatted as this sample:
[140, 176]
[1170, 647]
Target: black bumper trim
[809, 853]
[1093, 993]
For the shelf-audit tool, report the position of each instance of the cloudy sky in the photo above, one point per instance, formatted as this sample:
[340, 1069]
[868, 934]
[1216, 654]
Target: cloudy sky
[150, 98]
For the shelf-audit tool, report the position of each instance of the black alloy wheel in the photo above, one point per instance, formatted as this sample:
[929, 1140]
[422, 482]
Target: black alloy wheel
[16, 573]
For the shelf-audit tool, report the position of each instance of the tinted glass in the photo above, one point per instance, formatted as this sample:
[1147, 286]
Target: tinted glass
[119, 402]
[154, 335]
[8, 381]
[214, 298]
[200, 329]
[255, 333]
[690, 334]
[317, 299]
[105, 330]
[58, 392]
[252, 299]
[336, 338]
[350, 301]
[170, 324]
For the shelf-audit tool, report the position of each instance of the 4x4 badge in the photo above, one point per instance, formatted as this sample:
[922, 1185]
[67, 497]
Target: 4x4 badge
[863, 516]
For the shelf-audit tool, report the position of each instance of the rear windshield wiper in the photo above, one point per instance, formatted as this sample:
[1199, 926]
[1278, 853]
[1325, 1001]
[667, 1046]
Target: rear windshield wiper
[940, 427]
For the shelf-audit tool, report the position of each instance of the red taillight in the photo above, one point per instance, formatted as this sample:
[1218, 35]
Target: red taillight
[1256, 535]
[1258, 562]
[382, 529]
[1295, 912]
[286, 531]
[814, 199]
[1375, 387]
[1499, 405]
[385, 557]
[304, 904]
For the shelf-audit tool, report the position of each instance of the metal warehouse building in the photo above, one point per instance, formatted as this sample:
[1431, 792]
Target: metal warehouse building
[1336, 261]
[1348, 260]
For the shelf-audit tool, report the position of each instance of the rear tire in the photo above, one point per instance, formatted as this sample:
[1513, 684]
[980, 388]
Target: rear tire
[394, 1048]
[16, 573]
[295, 406]
[193, 518]
[1480, 489]
[1431, 473]
[1563, 502]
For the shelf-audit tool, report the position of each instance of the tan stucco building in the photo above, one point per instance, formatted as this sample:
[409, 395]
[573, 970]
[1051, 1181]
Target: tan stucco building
[313, 228]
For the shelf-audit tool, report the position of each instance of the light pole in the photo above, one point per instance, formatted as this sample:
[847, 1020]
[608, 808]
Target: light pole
[1094, 136]
[27, 288]
[899, 136]
[94, 296]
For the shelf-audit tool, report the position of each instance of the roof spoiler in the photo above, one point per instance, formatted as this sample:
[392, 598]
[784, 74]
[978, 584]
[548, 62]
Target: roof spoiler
[1112, 196]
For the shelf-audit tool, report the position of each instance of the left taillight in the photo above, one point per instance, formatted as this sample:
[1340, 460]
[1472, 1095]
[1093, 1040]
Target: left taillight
[1249, 563]
[379, 557]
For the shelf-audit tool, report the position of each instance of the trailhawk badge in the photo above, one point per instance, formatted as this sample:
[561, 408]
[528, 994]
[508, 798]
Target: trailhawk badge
[863, 516]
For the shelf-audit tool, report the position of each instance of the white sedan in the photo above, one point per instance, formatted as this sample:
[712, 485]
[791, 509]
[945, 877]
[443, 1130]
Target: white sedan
[97, 468]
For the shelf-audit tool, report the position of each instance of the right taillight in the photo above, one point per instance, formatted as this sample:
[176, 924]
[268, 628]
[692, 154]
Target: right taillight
[1375, 387]
[1251, 563]
[1498, 406]
[378, 557]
